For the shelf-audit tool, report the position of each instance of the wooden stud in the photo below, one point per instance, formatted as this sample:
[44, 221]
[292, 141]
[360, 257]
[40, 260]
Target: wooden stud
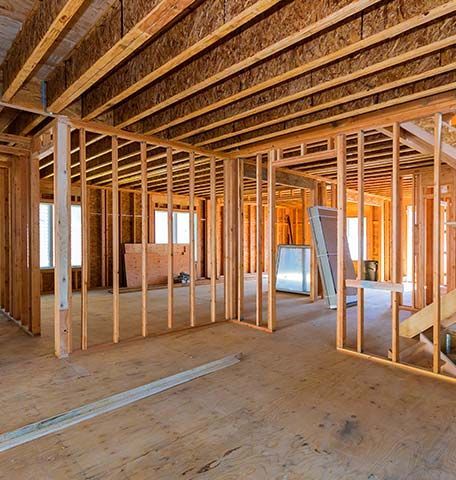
[85, 240]
[360, 291]
[436, 242]
[35, 273]
[240, 298]
[213, 237]
[62, 239]
[259, 240]
[396, 241]
[341, 236]
[192, 268]
[272, 319]
[169, 193]
[314, 259]
[115, 242]
[144, 235]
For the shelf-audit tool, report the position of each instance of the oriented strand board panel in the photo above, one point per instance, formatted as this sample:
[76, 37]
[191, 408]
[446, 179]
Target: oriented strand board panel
[157, 254]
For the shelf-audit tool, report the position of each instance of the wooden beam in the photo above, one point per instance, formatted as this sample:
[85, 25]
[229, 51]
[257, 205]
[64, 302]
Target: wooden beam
[17, 151]
[85, 241]
[46, 21]
[234, 63]
[259, 240]
[341, 239]
[436, 250]
[308, 158]
[408, 107]
[272, 314]
[109, 46]
[144, 235]
[213, 239]
[169, 199]
[361, 233]
[321, 61]
[192, 268]
[126, 82]
[284, 176]
[427, 142]
[62, 232]
[115, 243]
[395, 241]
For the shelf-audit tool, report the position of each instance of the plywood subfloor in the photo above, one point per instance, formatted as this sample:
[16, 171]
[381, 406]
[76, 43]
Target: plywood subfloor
[294, 408]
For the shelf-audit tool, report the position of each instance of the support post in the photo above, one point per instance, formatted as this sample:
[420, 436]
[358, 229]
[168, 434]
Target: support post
[62, 238]
[396, 240]
[192, 269]
[436, 242]
[115, 241]
[259, 240]
[35, 274]
[85, 239]
[360, 302]
[240, 313]
[169, 191]
[272, 241]
[144, 235]
[213, 237]
[341, 235]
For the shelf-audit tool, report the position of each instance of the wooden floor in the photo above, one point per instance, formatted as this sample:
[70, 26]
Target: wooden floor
[293, 408]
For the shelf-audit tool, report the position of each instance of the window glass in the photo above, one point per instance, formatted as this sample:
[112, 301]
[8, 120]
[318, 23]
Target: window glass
[352, 236]
[47, 235]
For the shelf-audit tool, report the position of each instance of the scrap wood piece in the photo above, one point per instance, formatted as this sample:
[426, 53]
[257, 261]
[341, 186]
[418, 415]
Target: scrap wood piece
[422, 320]
[77, 415]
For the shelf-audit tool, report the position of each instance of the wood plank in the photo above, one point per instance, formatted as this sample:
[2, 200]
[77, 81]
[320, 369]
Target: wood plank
[85, 241]
[272, 314]
[361, 253]
[115, 242]
[436, 239]
[62, 232]
[395, 241]
[121, 86]
[169, 199]
[213, 240]
[144, 235]
[308, 158]
[368, 42]
[65, 86]
[259, 240]
[284, 176]
[240, 220]
[192, 268]
[35, 274]
[374, 285]
[341, 236]
[37, 36]
[239, 62]
[105, 405]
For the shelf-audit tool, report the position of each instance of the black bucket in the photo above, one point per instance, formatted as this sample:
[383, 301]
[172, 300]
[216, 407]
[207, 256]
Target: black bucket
[371, 270]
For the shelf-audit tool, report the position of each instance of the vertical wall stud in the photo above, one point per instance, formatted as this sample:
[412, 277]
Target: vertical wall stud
[272, 241]
[169, 190]
[213, 238]
[436, 242]
[144, 235]
[192, 238]
[115, 241]
[240, 310]
[259, 239]
[62, 238]
[85, 239]
[341, 235]
[361, 233]
[396, 240]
